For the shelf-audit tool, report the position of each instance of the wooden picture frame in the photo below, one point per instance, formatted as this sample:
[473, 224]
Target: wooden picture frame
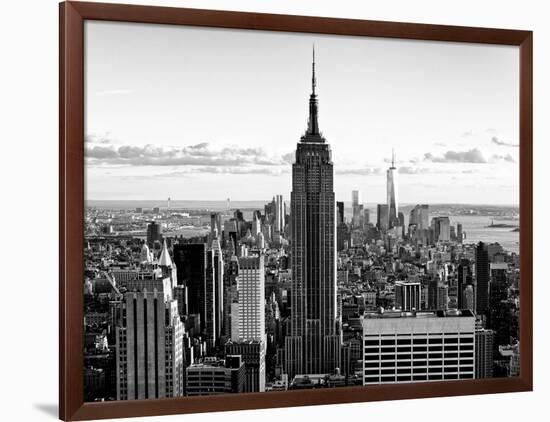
[71, 206]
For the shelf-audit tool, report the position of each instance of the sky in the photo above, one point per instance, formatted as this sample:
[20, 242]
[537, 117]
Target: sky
[209, 114]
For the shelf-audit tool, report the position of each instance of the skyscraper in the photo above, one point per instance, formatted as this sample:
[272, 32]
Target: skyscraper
[248, 313]
[382, 217]
[248, 321]
[214, 293]
[391, 186]
[279, 214]
[482, 278]
[149, 342]
[154, 233]
[356, 208]
[313, 344]
[190, 260]
[442, 229]
[465, 278]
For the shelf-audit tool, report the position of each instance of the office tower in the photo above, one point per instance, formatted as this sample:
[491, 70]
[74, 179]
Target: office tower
[407, 295]
[230, 293]
[500, 316]
[156, 210]
[215, 225]
[482, 278]
[465, 279]
[214, 294]
[442, 229]
[154, 233]
[469, 298]
[340, 212]
[391, 190]
[420, 216]
[366, 216]
[442, 298]
[355, 198]
[279, 214]
[190, 260]
[313, 344]
[459, 233]
[256, 224]
[149, 342]
[248, 317]
[382, 217]
[342, 237]
[215, 376]
[356, 208]
[401, 219]
[252, 353]
[484, 353]
[422, 346]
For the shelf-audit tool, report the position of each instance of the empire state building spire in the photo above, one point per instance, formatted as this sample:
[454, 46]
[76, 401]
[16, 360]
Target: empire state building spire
[313, 123]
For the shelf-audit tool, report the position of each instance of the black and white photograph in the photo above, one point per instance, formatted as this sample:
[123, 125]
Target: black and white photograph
[270, 211]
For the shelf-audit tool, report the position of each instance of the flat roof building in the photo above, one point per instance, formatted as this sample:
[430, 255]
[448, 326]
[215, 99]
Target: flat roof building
[418, 346]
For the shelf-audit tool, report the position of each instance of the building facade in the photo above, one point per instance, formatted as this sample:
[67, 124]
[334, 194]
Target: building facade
[313, 344]
[418, 346]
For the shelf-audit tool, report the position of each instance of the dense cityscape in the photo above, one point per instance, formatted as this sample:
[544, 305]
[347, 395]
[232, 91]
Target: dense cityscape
[299, 294]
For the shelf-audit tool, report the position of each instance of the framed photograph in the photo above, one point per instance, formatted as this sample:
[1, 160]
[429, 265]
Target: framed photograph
[266, 210]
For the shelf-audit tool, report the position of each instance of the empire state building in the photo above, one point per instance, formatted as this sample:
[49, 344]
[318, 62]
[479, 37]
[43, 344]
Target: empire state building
[313, 346]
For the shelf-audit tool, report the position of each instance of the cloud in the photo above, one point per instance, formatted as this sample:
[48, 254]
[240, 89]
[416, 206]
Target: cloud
[470, 156]
[507, 158]
[497, 141]
[270, 171]
[467, 134]
[201, 154]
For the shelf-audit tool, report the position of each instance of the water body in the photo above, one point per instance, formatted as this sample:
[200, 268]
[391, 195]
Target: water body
[476, 230]
[475, 227]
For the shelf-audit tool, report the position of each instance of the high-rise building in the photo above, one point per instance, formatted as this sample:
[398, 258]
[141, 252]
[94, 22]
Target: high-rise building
[465, 278]
[253, 354]
[313, 344]
[482, 278]
[214, 293]
[407, 295]
[154, 233]
[442, 229]
[356, 208]
[459, 234]
[355, 198]
[149, 342]
[190, 260]
[382, 217]
[418, 346]
[420, 216]
[215, 225]
[279, 214]
[248, 313]
[340, 210]
[391, 190]
[484, 353]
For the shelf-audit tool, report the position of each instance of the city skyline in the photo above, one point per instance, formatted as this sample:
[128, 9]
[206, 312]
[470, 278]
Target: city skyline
[364, 97]
[291, 295]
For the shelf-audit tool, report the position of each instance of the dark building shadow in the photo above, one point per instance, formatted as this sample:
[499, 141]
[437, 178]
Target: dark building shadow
[47, 408]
